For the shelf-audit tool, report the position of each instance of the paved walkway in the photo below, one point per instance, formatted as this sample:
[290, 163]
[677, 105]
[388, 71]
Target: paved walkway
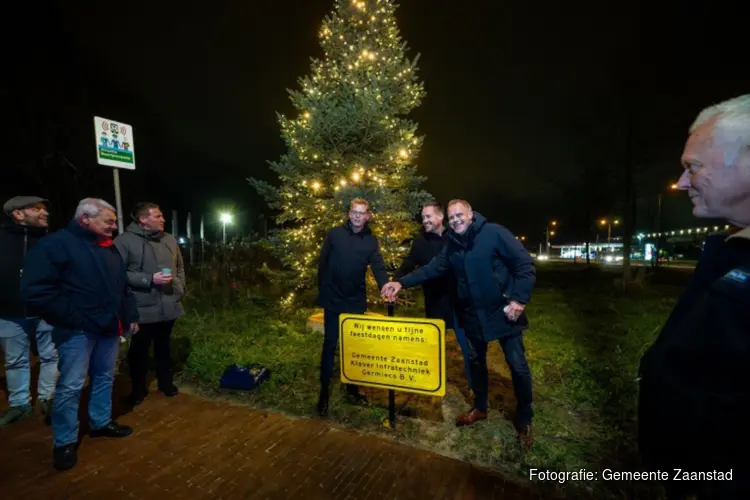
[190, 447]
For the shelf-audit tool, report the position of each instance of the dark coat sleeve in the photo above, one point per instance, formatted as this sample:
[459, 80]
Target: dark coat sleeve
[410, 261]
[377, 264]
[519, 263]
[130, 308]
[40, 286]
[325, 253]
[437, 267]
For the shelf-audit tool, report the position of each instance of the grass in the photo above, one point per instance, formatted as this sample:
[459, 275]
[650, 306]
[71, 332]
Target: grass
[583, 347]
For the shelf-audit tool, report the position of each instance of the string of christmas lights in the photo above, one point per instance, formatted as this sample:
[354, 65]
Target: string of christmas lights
[350, 137]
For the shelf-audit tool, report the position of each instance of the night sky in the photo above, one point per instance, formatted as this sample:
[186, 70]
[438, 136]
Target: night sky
[526, 115]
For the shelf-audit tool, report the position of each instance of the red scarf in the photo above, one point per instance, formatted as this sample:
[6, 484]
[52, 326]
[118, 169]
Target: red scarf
[104, 243]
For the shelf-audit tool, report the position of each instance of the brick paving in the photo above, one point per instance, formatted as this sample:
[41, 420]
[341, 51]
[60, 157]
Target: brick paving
[191, 447]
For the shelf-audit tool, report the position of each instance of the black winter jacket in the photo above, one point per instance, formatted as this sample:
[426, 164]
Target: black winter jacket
[74, 283]
[694, 376]
[491, 268]
[438, 292]
[342, 269]
[15, 241]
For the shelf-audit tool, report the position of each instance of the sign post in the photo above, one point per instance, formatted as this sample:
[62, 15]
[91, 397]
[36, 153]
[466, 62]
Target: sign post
[398, 354]
[391, 392]
[115, 147]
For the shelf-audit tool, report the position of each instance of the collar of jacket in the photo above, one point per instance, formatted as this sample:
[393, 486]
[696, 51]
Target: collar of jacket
[742, 234]
[83, 233]
[434, 236]
[138, 230]
[364, 232]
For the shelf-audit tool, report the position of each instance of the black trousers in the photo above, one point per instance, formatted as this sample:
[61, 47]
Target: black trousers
[515, 356]
[161, 335]
[330, 343]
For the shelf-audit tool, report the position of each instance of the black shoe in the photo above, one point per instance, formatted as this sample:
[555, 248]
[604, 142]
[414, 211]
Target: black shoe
[64, 457]
[170, 390]
[112, 430]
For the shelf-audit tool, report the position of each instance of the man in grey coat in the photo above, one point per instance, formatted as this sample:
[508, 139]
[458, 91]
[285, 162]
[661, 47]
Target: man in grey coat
[156, 275]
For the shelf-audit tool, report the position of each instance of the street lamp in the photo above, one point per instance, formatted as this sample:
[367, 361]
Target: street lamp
[225, 218]
[608, 223]
[549, 232]
[671, 187]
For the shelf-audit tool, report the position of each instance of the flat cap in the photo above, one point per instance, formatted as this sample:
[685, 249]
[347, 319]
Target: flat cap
[20, 202]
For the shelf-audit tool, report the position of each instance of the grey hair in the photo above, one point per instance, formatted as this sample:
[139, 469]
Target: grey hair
[732, 126]
[91, 207]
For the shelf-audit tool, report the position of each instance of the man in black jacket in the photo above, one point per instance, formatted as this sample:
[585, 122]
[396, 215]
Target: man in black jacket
[694, 391]
[342, 267]
[438, 293]
[17, 327]
[495, 276]
[75, 280]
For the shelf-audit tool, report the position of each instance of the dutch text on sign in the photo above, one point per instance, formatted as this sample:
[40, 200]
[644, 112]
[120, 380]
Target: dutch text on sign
[404, 354]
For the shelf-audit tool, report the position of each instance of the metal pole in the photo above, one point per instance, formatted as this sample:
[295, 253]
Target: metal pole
[224, 232]
[391, 392]
[118, 201]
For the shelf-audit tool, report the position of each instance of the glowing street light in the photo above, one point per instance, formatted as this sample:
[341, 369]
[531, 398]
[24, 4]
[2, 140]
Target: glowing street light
[225, 218]
[608, 223]
[549, 233]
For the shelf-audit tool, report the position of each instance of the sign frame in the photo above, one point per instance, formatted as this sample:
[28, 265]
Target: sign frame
[438, 324]
[99, 125]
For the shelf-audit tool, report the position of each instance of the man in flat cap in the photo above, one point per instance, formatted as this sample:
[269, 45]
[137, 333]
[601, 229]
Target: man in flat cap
[27, 225]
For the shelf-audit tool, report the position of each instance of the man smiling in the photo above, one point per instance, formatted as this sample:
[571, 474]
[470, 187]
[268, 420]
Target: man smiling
[342, 268]
[495, 276]
[29, 224]
[694, 392]
[75, 280]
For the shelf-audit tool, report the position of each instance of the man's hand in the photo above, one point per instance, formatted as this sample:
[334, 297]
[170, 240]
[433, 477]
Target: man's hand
[161, 279]
[390, 291]
[514, 310]
[134, 328]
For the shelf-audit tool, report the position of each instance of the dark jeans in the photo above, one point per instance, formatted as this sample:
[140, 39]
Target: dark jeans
[330, 343]
[515, 356]
[161, 335]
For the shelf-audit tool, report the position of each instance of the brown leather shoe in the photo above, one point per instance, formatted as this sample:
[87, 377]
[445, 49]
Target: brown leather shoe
[525, 436]
[472, 417]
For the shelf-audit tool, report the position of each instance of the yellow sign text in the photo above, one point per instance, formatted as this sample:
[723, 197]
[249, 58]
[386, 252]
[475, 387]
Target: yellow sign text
[404, 354]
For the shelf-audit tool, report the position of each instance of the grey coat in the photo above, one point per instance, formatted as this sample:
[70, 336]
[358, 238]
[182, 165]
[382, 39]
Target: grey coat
[145, 254]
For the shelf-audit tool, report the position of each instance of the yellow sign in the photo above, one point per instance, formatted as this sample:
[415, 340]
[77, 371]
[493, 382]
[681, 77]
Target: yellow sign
[404, 354]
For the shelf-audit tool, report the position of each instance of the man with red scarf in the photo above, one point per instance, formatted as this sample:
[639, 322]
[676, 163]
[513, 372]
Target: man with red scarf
[75, 280]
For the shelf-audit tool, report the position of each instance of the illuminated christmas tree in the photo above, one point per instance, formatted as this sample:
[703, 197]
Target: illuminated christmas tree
[351, 138]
